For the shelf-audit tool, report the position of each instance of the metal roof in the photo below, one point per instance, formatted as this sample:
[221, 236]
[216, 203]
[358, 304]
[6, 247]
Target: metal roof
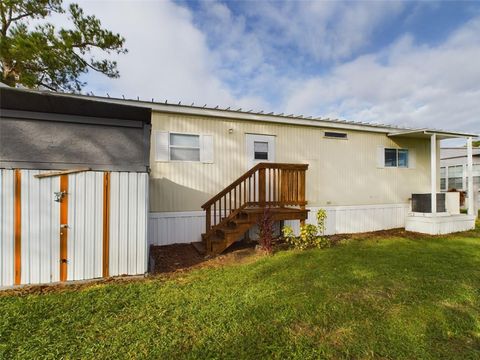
[240, 114]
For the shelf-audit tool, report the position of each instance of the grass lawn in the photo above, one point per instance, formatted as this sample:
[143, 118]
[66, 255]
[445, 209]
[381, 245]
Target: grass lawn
[381, 297]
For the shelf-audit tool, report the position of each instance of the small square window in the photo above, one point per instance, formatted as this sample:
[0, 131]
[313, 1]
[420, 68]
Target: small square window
[390, 157]
[260, 149]
[396, 158]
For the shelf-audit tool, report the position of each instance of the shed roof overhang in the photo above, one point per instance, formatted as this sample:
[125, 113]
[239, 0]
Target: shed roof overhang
[426, 134]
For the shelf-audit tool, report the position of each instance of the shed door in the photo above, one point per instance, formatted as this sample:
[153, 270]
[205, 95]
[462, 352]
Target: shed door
[260, 148]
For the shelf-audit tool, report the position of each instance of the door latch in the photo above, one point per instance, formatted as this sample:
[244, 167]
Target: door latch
[59, 195]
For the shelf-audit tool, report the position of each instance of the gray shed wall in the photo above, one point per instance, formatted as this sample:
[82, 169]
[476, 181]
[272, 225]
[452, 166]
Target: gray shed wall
[98, 143]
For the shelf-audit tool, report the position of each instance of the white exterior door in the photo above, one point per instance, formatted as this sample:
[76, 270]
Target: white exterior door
[260, 148]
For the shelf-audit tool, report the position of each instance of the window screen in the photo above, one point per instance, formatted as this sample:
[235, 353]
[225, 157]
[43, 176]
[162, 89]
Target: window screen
[184, 147]
[260, 149]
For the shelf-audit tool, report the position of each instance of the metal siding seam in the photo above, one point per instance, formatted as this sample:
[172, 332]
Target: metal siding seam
[90, 213]
[114, 224]
[106, 225]
[25, 231]
[132, 223]
[145, 222]
[98, 263]
[54, 233]
[123, 245]
[7, 230]
[72, 224]
[44, 238]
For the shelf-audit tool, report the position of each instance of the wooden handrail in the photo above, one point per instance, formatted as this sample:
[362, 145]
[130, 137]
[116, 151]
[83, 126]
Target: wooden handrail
[264, 185]
[251, 172]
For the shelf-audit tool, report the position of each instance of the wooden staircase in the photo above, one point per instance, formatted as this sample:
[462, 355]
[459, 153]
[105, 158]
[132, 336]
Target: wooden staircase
[238, 207]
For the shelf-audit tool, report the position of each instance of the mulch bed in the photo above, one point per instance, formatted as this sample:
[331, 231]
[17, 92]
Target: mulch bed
[174, 257]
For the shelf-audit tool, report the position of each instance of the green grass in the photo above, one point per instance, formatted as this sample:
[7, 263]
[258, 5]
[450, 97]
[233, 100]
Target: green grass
[391, 297]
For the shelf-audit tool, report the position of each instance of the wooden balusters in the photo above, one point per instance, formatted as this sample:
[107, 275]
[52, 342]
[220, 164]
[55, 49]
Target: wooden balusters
[266, 184]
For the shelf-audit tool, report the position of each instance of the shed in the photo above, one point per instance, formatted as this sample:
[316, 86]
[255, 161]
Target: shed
[73, 188]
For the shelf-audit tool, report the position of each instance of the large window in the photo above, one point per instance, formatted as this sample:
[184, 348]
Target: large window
[396, 158]
[184, 147]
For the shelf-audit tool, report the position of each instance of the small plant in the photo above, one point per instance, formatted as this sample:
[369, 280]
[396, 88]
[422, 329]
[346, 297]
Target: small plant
[310, 235]
[265, 231]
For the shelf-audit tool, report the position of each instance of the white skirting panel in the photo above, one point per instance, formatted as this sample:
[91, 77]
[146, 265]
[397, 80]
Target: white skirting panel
[358, 218]
[128, 223]
[6, 228]
[175, 227]
[185, 227]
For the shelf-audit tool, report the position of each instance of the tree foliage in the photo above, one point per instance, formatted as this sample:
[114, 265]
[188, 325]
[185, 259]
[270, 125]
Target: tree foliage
[35, 53]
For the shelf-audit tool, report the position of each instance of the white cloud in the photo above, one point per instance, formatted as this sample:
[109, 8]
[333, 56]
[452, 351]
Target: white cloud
[415, 85]
[217, 56]
[168, 56]
[323, 29]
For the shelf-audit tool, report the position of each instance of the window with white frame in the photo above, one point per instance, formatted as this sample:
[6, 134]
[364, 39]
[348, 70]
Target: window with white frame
[396, 158]
[455, 177]
[173, 146]
[260, 149]
[184, 147]
[443, 178]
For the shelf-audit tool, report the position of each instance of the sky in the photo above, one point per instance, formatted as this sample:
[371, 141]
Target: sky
[414, 64]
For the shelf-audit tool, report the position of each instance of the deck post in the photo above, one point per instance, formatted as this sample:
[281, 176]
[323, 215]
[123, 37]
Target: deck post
[433, 173]
[262, 186]
[302, 193]
[471, 196]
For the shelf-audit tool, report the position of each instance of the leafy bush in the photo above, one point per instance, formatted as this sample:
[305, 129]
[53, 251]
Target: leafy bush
[265, 231]
[310, 235]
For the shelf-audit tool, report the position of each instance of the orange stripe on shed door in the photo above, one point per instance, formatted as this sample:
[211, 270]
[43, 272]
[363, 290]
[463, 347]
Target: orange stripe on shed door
[63, 226]
[106, 224]
[17, 216]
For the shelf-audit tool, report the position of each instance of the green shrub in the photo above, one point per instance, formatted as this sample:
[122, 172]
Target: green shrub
[310, 235]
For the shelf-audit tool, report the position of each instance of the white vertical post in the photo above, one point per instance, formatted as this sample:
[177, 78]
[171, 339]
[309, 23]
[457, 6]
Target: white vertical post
[471, 197]
[433, 172]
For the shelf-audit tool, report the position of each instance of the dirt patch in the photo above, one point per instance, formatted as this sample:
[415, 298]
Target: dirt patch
[24, 290]
[181, 257]
[174, 257]
[400, 232]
